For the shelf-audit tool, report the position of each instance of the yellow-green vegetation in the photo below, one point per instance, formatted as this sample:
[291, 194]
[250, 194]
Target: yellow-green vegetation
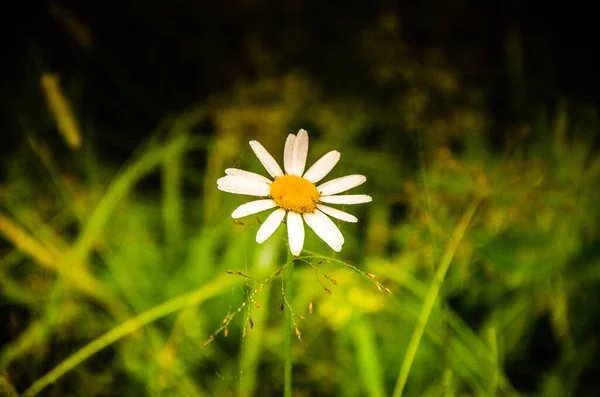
[473, 272]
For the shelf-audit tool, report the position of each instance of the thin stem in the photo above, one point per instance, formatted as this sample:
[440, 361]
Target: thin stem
[431, 297]
[287, 334]
[6, 388]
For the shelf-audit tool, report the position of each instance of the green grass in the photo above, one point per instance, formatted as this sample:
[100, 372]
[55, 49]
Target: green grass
[132, 279]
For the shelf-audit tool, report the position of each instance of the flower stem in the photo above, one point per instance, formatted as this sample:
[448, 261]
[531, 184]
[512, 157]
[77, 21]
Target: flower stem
[431, 297]
[287, 334]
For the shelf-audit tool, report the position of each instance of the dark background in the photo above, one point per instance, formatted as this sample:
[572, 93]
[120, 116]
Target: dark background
[146, 59]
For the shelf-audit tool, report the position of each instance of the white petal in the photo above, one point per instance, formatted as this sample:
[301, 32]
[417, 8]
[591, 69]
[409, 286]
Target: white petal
[346, 199]
[344, 216]
[322, 167]
[288, 154]
[240, 185]
[300, 153]
[270, 225]
[253, 207]
[342, 184]
[325, 229]
[266, 159]
[247, 174]
[295, 227]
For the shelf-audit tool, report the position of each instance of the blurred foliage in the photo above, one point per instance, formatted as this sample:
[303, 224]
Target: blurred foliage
[90, 246]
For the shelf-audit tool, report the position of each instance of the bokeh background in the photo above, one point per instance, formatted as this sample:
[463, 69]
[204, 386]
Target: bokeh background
[118, 117]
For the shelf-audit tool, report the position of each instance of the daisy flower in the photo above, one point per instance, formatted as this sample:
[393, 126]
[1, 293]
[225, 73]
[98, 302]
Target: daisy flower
[295, 194]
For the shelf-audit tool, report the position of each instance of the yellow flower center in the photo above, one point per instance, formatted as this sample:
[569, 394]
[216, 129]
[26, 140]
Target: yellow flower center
[293, 193]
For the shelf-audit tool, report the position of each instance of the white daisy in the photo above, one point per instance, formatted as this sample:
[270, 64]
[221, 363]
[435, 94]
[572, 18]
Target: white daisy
[295, 194]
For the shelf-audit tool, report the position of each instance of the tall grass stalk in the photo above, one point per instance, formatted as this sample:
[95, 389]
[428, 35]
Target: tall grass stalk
[172, 202]
[367, 357]
[254, 342]
[431, 297]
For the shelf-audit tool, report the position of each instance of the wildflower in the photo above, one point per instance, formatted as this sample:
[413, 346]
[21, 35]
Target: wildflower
[295, 193]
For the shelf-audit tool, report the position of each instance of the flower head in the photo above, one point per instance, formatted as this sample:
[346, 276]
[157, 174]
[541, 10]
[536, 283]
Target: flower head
[295, 193]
